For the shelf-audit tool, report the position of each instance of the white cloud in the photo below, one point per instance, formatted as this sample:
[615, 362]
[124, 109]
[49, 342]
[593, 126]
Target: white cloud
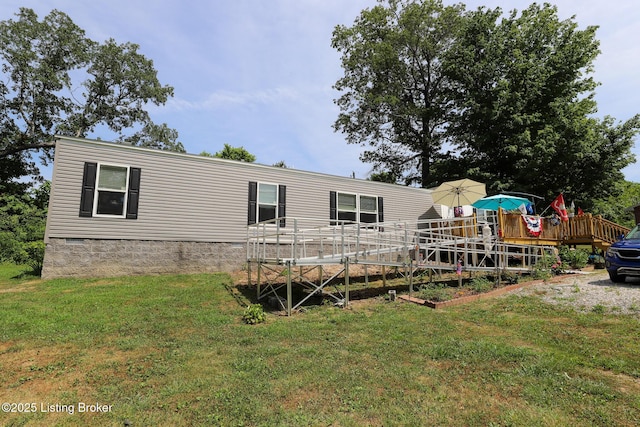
[228, 99]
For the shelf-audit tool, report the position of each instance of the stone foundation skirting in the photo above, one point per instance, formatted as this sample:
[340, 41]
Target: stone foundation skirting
[104, 258]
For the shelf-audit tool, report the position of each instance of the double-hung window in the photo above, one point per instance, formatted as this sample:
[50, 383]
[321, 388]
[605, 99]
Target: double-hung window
[347, 207]
[351, 207]
[110, 191]
[368, 209]
[266, 202]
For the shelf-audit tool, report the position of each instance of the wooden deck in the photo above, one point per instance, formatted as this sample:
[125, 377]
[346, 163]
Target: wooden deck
[585, 229]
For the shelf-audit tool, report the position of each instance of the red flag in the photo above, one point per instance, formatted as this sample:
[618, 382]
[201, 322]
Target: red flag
[558, 206]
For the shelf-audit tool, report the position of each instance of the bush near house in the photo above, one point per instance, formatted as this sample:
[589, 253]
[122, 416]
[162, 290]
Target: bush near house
[574, 257]
[22, 224]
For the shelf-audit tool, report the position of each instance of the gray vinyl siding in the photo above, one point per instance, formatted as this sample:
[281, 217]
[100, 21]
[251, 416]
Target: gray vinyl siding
[195, 198]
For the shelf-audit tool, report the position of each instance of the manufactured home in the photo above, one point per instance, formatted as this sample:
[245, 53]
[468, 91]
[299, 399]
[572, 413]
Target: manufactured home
[123, 210]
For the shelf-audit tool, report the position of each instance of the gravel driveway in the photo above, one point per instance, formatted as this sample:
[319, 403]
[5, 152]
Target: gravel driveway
[591, 291]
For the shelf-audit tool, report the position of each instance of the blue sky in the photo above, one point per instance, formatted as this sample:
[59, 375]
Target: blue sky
[259, 74]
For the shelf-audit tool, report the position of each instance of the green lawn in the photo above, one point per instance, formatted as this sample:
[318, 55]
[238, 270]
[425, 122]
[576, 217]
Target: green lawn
[173, 350]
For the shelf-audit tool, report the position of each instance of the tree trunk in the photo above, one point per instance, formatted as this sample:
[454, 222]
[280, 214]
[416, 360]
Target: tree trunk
[425, 155]
[425, 160]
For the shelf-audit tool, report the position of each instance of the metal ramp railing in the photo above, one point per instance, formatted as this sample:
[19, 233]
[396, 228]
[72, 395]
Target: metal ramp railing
[312, 241]
[434, 245]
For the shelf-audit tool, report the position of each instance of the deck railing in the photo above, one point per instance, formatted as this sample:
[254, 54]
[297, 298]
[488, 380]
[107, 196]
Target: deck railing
[584, 229]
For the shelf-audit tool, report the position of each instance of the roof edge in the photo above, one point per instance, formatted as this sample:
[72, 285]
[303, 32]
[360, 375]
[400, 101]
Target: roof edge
[197, 157]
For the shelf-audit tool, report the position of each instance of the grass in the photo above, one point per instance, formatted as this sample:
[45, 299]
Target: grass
[174, 350]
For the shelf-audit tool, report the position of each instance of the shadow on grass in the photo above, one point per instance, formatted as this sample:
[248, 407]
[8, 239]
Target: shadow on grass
[10, 273]
[27, 275]
[301, 292]
[361, 288]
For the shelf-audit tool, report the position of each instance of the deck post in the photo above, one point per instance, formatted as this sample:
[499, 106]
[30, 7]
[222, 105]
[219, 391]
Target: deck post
[384, 276]
[410, 277]
[294, 247]
[289, 293]
[366, 276]
[249, 272]
[258, 280]
[277, 240]
[346, 282]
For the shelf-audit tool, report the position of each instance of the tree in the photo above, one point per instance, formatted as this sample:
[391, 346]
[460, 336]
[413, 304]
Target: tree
[387, 177]
[232, 153]
[524, 104]
[616, 208]
[22, 224]
[394, 91]
[442, 93]
[58, 81]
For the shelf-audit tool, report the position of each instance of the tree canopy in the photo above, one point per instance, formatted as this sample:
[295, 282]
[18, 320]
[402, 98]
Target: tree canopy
[232, 153]
[394, 88]
[438, 93]
[524, 107]
[58, 81]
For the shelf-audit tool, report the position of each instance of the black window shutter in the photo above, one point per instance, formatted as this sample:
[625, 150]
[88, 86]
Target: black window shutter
[333, 207]
[380, 210]
[133, 195]
[253, 202]
[282, 204]
[88, 189]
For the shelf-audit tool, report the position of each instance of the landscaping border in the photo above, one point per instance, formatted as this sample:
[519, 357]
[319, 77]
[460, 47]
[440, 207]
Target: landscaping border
[491, 294]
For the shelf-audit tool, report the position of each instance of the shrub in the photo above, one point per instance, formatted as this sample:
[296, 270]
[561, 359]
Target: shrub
[254, 314]
[509, 277]
[481, 284]
[35, 255]
[540, 273]
[22, 225]
[575, 258]
[546, 266]
[434, 292]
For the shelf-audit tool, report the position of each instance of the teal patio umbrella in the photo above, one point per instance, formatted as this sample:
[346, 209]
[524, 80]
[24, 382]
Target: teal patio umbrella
[504, 201]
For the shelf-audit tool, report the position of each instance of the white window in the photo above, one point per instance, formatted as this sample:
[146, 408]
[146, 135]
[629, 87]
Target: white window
[368, 209]
[357, 208]
[267, 201]
[347, 207]
[111, 190]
